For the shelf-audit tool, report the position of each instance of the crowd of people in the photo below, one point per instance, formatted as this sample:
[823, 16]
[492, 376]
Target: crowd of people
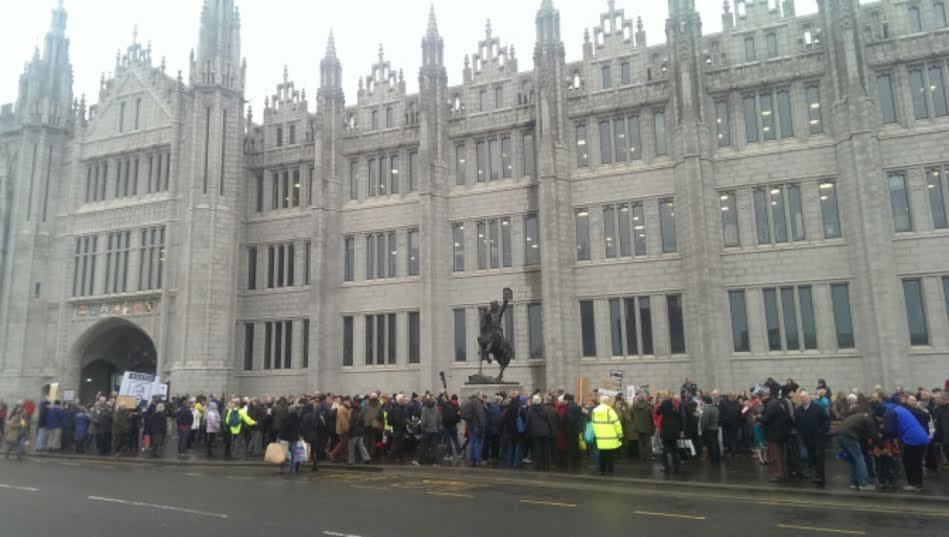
[885, 437]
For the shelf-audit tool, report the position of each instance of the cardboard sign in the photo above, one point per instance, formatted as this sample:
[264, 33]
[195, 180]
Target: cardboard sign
[616, 377]
[125, 401]
[69, 395]
[630, 393]
[137, 385]
[608, 393]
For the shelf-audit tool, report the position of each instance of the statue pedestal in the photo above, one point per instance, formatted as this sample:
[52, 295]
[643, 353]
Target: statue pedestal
[467, 390]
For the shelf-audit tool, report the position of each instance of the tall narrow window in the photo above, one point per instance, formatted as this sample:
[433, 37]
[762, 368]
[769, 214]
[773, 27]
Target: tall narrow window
[353, 180]
[493, 240]
[899, 202]
[248, 346]
[529, 166]
[260, 193]
[349, 262]
[295, 200]
[460, 164]
[937, 203]
[305, 337]
[483, 100]
[660, 129]
[937, 89]
[789, 312]
[370, 339]
[749, 49]
[767, 116]
[915, 312]
[915, 20]
[393, 338]
[779, 214]
[796, 212]
[458, 247]
[413, 171]
[414, 338]
[373, 185]
[583, 235]
[619, 139]
[624, 73]
[606, 77]
[251, 267]
[507, 166]
[721, 123]
[784, 113]
[751, 118]
[729, 219]
[268, 344]
[632, 345]
[676, 324]
[389, 118]
[616, 327]
[609, 231]
[588, 328]
[885, 95]
[271, 266]
[761, 216]
[639, 229]
[122, 117]
[370, 257]
[306, 262]
[288, 345]
[583, 156]
[635, 137]
[506, 260]
[531, 240]
[347, 341]
[498, 97]
[771, 319]
[275, 192]
[393, 256]
[739, 312]
[461, 350]
[918, 87]
[815, 122]
[394, 176]
[535, 331]
[414, 261]
[772, 41]
[138, 113]
[279, 136]
[374, 120]
[829, 212]
[482, 245]
[606, 148]
[939, 10]
[667, 223]
[381, 256]
[843, 322]
[645, 324]
[808, 324]
[625, 242]
[481, 157]
[278, 345]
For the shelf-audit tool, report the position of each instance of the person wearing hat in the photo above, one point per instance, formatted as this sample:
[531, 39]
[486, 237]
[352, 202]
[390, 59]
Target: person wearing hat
[372, 423]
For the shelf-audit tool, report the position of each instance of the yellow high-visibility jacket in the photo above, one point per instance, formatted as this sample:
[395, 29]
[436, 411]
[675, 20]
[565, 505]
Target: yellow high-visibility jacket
[607, 427]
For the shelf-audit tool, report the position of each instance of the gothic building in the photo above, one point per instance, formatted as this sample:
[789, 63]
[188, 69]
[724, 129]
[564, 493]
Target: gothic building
[765, 201]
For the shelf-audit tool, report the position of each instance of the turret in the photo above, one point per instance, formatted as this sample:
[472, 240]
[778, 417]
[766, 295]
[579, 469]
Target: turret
[45, 95]
[219, 46]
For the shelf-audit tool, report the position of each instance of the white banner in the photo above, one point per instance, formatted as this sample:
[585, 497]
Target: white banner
[138, 385]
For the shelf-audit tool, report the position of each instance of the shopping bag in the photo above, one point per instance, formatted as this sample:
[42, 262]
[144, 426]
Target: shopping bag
[583, 444]
[588, 435]
[276, 452]
[146, 442]
[686, 445]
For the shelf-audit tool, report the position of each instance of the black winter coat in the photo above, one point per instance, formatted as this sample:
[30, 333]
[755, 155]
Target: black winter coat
[812, 424]
[776, 421]
[673, 420]
[538, 422]
[291, 430]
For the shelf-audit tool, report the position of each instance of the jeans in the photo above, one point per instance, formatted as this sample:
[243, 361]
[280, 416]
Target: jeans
[41, 435]
[211, 438]
[858, 465]
[184, 437]
[815, 457]
[515, 452]
[492, 447]
[156, 439]
[429, 448]
[256, 446]
[670, 450]
[451, 440]
[475, 445]
[357, 442]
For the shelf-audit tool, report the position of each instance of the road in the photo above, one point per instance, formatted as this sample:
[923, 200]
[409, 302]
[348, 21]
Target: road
[54, 498]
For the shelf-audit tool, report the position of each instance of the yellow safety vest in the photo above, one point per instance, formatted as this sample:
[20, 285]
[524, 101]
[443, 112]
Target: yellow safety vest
[607, 428]
[385, 420]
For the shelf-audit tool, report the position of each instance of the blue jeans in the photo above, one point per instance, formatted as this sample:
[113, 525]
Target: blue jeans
[858, 465]
[475, 445]
[515, 452]
[453, 447]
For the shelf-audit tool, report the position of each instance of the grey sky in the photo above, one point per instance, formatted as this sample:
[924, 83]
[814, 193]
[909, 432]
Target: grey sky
[293, 32]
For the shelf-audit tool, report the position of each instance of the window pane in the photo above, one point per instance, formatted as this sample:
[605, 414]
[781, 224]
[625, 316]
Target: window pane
[350, 259]
[509, 327]
[619, 135]
[507, 166]
[639, 229]
[529, 160]
[616, 327]
[532, 240]
[413, 171]
[629, 305]
[767, 117]
[278, 345]
[721, 123]
[606, 77]
[460, 164]
[535, 331]
[918, 88]
[676, 327]
[899, 202]
[393, 338]
[667, 222]
[937, 202]
[306, 343]
[393, 256]
[482, 245]
[588, 328]
[828, 208]
[461, 353]
[729, 219]
[938, 91]
[624, 72]
[288, 345]
[885, 94]
[583, 235]
[268, 344]
[915, 22]
[749, 49]
[625, 245]
[252, 268]
[751, 119]
[808, 325]
[481, 150]
[635, 138]
[945, 292]
[784, 114]
[790, 319]
[506, 242]
[494, 156]
[414, 260]
[458, 246]
[248, 346]
[645, 324]
[609, 231]
[940, 9]
[840, 294]
[394, 174]
[606, 149]
[736, 301]
[915, 313]
[771, 319]
[493, 240]
[815, 123]
[381, 256]
[660, 121]
[796, 212]
[778, 215]
[583, 157]
[414, 347]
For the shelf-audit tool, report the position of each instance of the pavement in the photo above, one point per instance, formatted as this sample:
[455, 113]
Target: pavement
[60, 496]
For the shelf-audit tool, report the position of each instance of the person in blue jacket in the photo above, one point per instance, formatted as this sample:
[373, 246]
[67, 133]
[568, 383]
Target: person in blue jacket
[81, 429]
[900, 423]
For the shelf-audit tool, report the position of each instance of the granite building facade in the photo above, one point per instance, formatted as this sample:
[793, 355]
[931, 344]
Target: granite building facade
[765, 201]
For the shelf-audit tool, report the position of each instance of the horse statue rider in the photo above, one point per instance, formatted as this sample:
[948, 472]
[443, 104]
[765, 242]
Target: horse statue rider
[491, 340]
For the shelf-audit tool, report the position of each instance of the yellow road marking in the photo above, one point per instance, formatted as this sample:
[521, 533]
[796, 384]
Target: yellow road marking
[827, 530]
[669, 515]
[452, 494]
[364, 487]
[552, 504]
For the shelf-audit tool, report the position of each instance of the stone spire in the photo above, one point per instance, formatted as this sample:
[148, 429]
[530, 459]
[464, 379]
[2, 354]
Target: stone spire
[432, 32]
[331, 71]
[219, 46]
[45, 94]
[433, 47]
[548, 25]
[330, 47]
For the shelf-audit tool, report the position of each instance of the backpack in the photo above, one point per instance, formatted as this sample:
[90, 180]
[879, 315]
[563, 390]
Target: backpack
[233, 418]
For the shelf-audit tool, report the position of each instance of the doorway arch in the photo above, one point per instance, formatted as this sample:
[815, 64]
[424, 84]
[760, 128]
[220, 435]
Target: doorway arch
[109, 349]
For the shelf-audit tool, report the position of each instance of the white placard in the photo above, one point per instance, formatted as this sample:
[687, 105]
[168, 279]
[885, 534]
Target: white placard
[630, 392]
[138, 385]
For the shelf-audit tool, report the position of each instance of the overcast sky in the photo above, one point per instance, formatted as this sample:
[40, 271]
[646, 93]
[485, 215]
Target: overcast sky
[293, 32]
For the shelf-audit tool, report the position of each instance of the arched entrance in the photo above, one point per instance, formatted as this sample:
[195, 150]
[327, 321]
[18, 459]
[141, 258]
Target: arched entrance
[107, 351]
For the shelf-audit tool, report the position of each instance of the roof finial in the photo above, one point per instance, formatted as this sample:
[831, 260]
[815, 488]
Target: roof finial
[612, 6]
[135, 34]
[331, 46]
[432, 23]
[286, 75]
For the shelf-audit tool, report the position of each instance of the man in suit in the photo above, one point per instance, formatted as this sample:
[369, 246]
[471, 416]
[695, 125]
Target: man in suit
[813, 423]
